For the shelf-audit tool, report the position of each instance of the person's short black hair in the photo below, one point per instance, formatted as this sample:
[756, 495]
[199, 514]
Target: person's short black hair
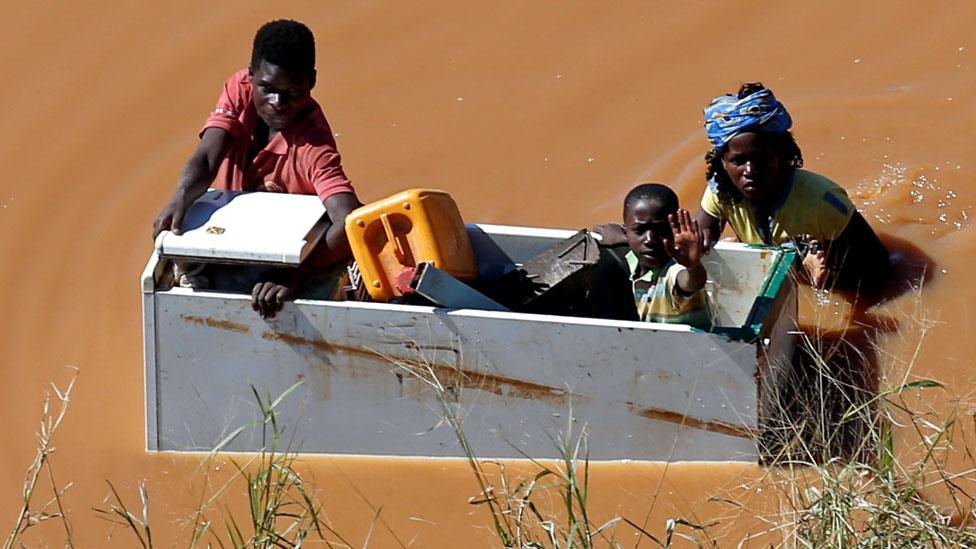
[783, 143]
[287, 44]
[659, 194]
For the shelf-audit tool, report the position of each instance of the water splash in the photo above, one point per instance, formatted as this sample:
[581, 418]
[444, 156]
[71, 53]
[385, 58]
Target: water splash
[898, 195]
[822, 297]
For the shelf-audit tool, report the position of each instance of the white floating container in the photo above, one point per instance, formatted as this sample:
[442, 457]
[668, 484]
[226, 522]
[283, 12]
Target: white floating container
[643, 391]
[255, 228]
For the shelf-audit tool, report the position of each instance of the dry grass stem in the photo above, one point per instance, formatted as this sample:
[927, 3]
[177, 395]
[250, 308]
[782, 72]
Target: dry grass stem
[518, 518]
[50, 423]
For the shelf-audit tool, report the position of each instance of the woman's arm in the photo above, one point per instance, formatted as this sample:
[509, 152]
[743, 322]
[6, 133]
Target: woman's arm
[711, 228]
[858, 257]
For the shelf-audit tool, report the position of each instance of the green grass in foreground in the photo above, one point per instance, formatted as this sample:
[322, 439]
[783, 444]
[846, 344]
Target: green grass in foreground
[830, 454]
[868, 498]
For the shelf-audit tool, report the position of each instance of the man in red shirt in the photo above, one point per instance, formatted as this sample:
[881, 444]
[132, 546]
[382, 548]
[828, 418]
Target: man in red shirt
[268, 134]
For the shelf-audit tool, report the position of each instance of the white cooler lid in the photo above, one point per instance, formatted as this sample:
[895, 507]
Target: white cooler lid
[259, 227]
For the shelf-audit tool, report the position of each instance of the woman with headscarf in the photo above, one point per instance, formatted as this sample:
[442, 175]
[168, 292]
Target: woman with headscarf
[757, 185]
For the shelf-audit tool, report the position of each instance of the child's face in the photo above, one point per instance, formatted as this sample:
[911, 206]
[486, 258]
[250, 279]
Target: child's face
[646, 226]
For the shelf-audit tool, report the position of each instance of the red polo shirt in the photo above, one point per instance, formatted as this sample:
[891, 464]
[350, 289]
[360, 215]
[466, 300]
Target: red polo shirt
[300, 159]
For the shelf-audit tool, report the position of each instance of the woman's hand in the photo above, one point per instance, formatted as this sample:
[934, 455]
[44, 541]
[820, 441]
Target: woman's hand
[711, 228]
[815, 263]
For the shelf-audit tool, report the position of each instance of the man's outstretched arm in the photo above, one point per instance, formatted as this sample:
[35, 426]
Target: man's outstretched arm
[334, 246]
[198, 173]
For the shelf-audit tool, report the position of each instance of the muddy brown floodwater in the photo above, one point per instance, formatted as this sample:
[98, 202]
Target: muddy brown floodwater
[535, 113]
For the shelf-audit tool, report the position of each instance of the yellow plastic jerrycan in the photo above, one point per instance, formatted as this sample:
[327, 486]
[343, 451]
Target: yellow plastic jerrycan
[410, 227]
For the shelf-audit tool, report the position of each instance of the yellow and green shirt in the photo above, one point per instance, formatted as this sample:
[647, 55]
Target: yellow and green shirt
[811, 205]
[659, 299]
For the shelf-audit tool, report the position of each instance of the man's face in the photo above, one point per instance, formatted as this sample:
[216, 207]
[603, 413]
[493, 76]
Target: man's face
[753, 165]
[646, 226]
[279, 96]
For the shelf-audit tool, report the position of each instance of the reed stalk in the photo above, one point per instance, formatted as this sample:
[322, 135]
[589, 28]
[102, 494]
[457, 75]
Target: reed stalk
[282, 510]
[830, 457]
[518, 519]
[834, 465]
[30, 515]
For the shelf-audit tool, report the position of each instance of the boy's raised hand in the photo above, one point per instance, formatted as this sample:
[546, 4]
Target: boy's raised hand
[687, 245]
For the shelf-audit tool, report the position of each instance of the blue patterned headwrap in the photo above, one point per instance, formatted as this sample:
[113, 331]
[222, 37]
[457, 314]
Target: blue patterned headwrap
[728, 115]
